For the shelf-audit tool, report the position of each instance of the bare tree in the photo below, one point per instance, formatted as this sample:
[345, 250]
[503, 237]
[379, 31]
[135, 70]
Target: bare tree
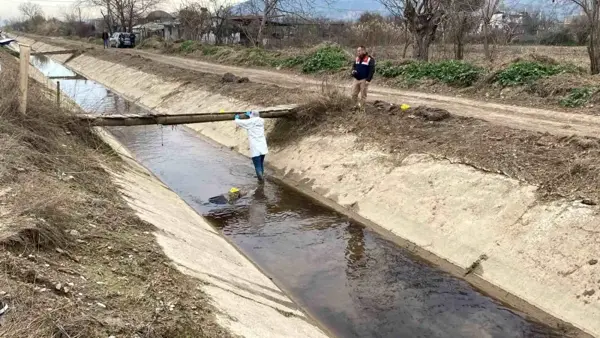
[74, 22]
[591, 11]
[31, 10]
[579, 28]
[511, 29]
[33, 16]
[461, 18]
[124, 12]
[268, 10]
[195, 20]
[532, 22]
[422, 18]
[488, 9]
[221, 25]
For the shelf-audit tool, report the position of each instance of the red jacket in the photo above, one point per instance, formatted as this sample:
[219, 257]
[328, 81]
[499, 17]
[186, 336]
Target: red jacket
[364, 68]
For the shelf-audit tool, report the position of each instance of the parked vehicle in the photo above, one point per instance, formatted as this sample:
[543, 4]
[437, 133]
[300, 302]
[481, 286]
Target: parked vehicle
[121, 40]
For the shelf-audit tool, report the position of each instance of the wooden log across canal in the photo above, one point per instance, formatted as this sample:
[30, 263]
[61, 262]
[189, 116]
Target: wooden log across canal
[166, 119]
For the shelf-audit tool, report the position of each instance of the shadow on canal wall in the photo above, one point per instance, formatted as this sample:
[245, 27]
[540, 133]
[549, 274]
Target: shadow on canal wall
[529, 253]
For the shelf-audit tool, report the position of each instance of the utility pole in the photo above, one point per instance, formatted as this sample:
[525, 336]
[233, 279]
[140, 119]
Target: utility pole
[24, 52]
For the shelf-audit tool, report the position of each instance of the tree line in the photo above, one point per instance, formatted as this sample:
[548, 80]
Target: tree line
[413, 23]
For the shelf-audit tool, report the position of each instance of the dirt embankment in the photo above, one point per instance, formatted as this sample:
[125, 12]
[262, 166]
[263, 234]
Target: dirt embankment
[560, 166]
[76, 261]
[535, 79]
[528, 78]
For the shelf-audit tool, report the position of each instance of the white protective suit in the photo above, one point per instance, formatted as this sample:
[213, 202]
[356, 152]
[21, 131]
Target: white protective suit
[255, 126]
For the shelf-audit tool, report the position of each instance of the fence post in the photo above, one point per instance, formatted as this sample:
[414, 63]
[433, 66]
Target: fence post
[24, 52]
[58, 94]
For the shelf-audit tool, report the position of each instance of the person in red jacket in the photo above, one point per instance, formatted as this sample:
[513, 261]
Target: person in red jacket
[362, 71]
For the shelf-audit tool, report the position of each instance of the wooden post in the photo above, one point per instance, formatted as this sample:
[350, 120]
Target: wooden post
[24, 52]
[58, 94]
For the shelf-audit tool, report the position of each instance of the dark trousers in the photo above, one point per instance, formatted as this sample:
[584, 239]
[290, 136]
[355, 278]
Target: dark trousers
[259, 166]
[106, 43]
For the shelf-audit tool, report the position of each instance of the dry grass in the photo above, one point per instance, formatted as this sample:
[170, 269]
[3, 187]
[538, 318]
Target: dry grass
[561, 166]
[311, 115]
[76, 261]
[501, 54]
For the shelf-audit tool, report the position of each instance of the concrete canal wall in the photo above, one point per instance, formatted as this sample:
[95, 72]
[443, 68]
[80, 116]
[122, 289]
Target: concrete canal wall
[539, 252]
[249, 303]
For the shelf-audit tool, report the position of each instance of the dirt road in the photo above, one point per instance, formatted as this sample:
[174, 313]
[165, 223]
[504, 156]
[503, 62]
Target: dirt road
[541, 120]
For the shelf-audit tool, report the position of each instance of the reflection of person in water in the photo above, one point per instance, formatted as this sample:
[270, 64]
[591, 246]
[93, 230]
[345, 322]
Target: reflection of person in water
[355, 250]
[257, 210]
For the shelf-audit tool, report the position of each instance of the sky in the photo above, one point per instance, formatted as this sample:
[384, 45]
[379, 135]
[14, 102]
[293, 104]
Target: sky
[57, 8]
[339, 9]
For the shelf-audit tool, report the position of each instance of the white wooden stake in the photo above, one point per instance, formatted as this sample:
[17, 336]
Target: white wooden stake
[24, 52]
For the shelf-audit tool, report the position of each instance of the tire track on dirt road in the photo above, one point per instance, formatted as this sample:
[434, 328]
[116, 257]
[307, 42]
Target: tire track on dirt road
[540, 120]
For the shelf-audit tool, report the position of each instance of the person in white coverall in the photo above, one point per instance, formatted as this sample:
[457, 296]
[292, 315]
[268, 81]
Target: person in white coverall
[255, 126]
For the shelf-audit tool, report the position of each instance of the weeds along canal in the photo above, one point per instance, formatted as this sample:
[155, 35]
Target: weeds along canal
[352, 280]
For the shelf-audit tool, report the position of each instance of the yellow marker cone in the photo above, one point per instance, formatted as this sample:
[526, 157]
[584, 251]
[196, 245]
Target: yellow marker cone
[222, 111]
[404, 106]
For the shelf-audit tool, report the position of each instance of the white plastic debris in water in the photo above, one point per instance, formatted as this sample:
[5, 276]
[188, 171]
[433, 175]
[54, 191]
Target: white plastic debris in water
[7, 41]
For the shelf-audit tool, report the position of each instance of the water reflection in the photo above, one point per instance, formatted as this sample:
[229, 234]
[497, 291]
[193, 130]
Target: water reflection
[355, 251]
[373, 289]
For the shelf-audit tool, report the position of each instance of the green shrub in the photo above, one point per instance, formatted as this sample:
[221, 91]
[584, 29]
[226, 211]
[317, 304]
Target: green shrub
[578, 97]
[451, 72]
[256, 57]
[292, 62]
[188, 46]
[388, 69]
[324, 59]
[208, 50]
[526, 72]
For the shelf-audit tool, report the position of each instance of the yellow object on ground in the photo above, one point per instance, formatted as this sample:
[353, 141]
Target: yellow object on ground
[234, 190]
[222, 111]
[404, 106]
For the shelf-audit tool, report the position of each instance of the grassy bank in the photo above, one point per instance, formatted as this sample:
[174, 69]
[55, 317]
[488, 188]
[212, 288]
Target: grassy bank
[530, 80]
[76, 261]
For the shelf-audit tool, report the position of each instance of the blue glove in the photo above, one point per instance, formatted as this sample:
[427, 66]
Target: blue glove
[248, 113]
[237, 117]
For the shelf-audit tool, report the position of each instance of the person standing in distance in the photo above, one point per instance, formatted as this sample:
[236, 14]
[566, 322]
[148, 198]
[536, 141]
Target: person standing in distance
[255, 126]
[106, 40]
[363, 70]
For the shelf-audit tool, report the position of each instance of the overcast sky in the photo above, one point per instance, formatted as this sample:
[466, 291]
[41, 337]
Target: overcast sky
[10, 8]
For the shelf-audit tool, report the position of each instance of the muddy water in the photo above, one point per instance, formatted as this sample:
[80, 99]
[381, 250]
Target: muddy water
[356, 283]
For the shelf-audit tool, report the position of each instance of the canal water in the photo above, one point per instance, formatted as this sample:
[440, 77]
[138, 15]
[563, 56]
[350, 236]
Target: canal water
[349, 278]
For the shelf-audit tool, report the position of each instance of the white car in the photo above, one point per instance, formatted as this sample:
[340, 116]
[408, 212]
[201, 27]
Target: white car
[121, 40]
